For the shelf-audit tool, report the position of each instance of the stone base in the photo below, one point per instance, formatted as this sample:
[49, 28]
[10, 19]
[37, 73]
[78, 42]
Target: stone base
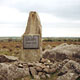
[32, 51]
[31, 55]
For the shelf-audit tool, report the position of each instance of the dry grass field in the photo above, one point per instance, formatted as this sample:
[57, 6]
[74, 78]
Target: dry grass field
[56, 43]
[13, 47]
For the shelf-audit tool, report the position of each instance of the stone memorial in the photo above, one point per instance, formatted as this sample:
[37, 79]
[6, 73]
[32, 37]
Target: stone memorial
[32, 45]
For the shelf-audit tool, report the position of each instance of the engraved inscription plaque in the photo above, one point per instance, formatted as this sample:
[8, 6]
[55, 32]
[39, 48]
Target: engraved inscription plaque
[31, 42]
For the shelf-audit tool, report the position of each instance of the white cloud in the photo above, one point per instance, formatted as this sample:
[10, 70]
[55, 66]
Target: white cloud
[61, 32]
[54, 14]
[49, 18]
[11, 30]
[12, 15]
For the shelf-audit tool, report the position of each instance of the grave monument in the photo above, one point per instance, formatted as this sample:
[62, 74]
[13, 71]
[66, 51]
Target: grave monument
[32, 45]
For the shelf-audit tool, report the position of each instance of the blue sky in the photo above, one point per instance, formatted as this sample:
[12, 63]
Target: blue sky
[59, 18]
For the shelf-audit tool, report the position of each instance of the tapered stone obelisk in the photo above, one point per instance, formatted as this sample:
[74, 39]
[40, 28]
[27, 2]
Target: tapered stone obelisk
[32, 45]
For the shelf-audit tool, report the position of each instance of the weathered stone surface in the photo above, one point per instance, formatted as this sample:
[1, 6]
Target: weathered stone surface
[39, 70]
[4, 58]
[32, 51]
[34, 24]
[12, 71]
[68, 76]
[62, 52]
[69, 71]
[73, 65]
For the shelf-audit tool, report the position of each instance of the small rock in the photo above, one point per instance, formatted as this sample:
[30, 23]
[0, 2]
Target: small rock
[4, 58]
[43, 60]
[36, 77]
[53, 70]
[42, 66]
[40, 73]
[20, 65]
[63, 71]
[30, 64]
[46, 70]
[33, 71]
[38, 64]
[39, 69]
[48, 75]
[43, 76]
